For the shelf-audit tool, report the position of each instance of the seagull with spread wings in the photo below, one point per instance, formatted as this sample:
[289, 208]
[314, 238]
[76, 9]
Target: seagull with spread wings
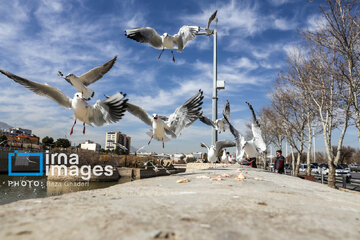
[149, 36]
[183, 117]
[103, 112]
[213, 151]
[252, 147]
[81, 83]
[221, 122]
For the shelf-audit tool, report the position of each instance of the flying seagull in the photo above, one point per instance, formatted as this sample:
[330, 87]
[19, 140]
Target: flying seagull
[211, 18]
[207, 121]
[81, 83]
[252, 147]
[183, 117]
[213, 151]
[104, 112]
[151, 37]
[122, 147]
[221, 123]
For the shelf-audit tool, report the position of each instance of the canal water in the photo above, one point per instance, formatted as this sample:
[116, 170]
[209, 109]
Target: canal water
[17, 188]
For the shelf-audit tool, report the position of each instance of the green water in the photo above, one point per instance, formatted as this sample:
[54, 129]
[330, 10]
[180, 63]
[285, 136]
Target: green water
[17, 188]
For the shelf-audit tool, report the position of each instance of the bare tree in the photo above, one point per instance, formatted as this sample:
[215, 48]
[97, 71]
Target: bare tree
[318, 76]
[342, 34]
[291, 107]
[271, 127]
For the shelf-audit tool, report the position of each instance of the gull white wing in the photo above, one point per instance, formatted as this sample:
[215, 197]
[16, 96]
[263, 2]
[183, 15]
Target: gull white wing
[140, 113]
[256, 131]
[96, 73]
[258, 139]
[239, 140]
[146, 35]
[108, 111]
[185, 35]
[186, 114]
[122, 146]
[41, 89]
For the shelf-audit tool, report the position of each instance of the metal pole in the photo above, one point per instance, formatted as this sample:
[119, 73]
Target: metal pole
[214, 97]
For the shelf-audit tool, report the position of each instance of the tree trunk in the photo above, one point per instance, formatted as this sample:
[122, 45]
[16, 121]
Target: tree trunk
[308, 155]
[298, 158]
[331, 175]
[280, 139]
[265, 159]
[292, 160]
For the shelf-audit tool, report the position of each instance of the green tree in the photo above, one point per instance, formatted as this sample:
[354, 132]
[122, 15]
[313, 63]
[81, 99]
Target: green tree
[62, 142]
[47, 141]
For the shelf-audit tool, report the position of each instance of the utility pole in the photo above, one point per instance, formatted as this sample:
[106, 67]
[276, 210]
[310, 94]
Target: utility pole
[216, 85]
[214, 96]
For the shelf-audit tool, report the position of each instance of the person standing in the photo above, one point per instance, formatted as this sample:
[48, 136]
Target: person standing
[279, 162]
[252, 162]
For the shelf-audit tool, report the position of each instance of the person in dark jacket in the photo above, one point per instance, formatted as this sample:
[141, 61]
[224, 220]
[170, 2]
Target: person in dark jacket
[279, 162]
[252, 162]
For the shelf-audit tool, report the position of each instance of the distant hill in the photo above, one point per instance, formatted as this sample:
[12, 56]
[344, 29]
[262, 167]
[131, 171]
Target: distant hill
[4, 125]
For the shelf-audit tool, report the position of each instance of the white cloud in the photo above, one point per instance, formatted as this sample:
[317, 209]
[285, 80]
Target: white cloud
[315, 22]
[279, 2]
[239, 17]
[284, 24]
[244, 63]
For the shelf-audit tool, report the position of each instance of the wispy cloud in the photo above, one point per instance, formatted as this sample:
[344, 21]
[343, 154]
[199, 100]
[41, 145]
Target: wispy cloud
[39, 38]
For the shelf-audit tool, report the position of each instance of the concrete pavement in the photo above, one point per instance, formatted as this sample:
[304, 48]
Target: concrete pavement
[263, 206]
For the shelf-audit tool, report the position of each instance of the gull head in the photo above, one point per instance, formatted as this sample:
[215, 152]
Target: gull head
[70, 76]
[165, 35]
[155, 116]
[79, 96]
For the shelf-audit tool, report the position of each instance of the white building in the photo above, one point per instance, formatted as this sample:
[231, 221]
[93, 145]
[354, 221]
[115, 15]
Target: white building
[112, 139]
[90, 145]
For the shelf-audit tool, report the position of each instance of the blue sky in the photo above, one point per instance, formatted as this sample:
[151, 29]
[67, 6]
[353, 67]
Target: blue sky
[39, 38]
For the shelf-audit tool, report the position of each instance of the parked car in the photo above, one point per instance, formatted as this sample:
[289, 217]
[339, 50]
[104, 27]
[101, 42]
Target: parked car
[354, 167]
[323, 167]
[314, 165]
[303, 168]
[314, 168]
[288, 166]
[345, 166]
[340, 171]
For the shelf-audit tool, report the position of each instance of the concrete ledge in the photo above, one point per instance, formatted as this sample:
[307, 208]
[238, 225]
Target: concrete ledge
[262, 206]
[140, 173]
[196, 166]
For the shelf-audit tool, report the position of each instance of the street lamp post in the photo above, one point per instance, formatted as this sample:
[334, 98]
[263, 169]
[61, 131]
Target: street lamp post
[208, 32]
[214, 135]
